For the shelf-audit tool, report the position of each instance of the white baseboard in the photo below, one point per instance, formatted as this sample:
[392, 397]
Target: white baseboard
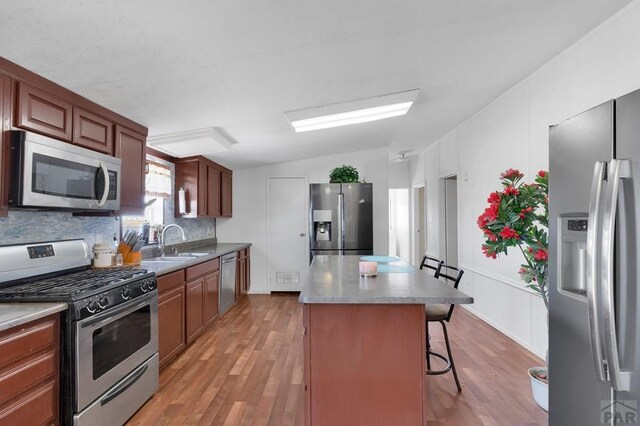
[505, 332]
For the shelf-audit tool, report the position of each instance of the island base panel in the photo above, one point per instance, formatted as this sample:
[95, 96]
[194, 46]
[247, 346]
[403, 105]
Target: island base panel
[364, 364]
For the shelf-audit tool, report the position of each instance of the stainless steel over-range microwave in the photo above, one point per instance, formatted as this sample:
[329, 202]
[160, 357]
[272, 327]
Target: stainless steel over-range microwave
[50, 174]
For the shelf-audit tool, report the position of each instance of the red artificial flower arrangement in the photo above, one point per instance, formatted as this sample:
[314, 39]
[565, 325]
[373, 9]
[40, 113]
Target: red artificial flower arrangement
[518, 216]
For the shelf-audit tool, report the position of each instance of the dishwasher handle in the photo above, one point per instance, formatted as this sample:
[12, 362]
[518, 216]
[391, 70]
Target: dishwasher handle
[228, 258]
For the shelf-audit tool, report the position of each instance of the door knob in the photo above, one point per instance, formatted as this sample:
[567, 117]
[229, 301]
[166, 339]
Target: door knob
[302, 234]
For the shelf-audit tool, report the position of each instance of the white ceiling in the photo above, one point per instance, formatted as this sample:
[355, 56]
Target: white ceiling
[239, 65]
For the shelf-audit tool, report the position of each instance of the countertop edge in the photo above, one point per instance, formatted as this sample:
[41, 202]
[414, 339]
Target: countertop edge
[386, 300]
[28, 312]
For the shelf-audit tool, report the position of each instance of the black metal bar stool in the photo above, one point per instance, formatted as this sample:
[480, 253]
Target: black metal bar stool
[429, 262]
[442, 314]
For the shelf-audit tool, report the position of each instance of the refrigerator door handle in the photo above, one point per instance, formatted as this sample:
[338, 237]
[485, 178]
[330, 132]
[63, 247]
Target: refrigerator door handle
[341, 222]
[618, 169]
[592, 277]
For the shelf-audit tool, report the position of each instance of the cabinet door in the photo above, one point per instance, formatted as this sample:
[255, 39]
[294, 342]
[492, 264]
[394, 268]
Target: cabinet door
[195, 323]
[226, 193]
[213, 192]
[238, 276]
[92, 131]
[5, 124]
[130, 148]
[42, 112]
[171, 323]
[211, 290]
[202, 189]
[247, 273]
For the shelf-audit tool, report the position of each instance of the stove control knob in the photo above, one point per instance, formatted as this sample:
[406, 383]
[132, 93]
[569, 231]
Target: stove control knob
[151, 285]
[103, 302]
[126, 293]
[144, 287]
[92, 306]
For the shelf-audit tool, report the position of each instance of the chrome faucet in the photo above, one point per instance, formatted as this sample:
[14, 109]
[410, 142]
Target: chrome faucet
[164, 231]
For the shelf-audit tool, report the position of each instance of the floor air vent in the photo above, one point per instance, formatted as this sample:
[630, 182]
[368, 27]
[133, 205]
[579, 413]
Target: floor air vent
[287, 277]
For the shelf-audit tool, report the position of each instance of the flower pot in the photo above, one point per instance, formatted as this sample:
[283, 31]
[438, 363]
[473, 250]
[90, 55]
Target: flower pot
[539, 388]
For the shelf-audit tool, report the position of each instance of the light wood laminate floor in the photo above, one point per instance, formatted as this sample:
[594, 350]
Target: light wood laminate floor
[247, 369]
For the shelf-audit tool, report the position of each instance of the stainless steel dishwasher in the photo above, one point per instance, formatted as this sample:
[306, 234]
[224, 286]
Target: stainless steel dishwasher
[227, 282]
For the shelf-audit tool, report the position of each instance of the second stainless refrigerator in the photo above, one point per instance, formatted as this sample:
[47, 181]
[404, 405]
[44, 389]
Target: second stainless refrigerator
[341, 218]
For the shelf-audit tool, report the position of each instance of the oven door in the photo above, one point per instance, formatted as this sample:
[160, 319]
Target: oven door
[109, 346]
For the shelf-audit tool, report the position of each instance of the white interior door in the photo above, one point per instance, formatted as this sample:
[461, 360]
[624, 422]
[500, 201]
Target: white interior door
[288, 241]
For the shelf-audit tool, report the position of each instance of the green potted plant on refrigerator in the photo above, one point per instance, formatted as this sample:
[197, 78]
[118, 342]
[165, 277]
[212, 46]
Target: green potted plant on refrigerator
[518, 217]
[344, 174]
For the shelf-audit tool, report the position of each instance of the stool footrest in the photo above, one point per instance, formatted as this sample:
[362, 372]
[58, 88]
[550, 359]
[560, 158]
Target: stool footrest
[442, 357]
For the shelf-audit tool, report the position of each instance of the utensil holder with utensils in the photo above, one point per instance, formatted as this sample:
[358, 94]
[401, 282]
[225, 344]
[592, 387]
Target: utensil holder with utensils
[130, 247]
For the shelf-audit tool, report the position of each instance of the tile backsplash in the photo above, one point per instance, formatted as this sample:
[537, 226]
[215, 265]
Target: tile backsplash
[21, 227]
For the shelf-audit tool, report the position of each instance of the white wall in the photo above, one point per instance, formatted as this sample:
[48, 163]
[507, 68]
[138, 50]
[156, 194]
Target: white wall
[513, 132]
[250, 203]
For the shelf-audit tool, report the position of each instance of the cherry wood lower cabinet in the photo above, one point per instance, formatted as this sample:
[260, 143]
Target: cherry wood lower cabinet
[171, 317]
[364, 364]
[243, 273]
[29, 373]
[211, 297]
[202, 297]
[195, 302]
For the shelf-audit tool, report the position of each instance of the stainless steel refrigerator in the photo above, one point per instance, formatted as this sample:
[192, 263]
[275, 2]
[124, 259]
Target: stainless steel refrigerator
[341, 218]
[594, 194]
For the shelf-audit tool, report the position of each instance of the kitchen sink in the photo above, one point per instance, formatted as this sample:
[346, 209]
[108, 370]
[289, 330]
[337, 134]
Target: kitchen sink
[191, 254]
[169, 259]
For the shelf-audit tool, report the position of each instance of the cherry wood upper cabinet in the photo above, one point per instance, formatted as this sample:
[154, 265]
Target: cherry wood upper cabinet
[43, 112]
[92, 131]
[130, 148]
[226, 187]
[207, 187]
[5, 124]
[214, 197]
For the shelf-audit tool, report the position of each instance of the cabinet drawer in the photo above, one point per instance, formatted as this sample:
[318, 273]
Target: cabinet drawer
[171, 280]
[203, 268]
[18, 378]
[21, 342]
[40, 406]
[92, 131]
[42, 112]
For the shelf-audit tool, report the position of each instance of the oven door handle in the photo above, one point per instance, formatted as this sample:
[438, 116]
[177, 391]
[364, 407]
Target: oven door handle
[117, 312]
[126, 384]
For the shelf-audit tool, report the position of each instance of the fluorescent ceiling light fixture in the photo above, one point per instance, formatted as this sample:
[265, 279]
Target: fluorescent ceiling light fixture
[207, 141]
[352, 112]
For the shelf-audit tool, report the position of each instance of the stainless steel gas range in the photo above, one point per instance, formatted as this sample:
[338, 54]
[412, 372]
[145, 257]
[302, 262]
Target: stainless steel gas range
[109, 350]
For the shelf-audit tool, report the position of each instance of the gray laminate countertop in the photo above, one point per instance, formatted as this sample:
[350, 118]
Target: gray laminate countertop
[15, 314]
[212, 251]
[336, 279]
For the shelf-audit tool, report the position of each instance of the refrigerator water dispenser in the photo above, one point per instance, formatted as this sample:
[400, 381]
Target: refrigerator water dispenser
[322, 225]
[573, 255]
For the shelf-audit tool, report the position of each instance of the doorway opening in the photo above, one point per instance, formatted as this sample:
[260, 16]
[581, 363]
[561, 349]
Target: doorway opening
[451, 220]
[399, 234]
[419, 225]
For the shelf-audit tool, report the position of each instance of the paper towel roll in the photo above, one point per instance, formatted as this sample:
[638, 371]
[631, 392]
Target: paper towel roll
[182, 201]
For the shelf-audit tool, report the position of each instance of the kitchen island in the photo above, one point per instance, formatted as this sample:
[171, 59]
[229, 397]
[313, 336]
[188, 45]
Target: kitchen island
[365, 341]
